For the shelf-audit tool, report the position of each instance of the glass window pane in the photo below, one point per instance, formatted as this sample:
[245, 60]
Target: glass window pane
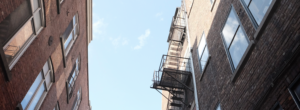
[35, 4]
[212, 1]
[75, 30]
[230, 28]
[201, 45]
[67, 42]
[46, 68]
[31, 91]
[238, 47]
[204, 57]
[74, 20]
[77, 64]
[37, 97]
[259, 8]
[18, 41]
[219, 107]
[48, 79]
[37, 20]
[247, 2]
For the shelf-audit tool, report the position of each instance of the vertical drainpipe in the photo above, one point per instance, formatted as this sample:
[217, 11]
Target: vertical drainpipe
[189, 48]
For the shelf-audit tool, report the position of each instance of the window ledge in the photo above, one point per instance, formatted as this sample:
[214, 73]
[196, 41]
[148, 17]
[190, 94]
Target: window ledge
[265, 20]
[243, 61]
[204, 68]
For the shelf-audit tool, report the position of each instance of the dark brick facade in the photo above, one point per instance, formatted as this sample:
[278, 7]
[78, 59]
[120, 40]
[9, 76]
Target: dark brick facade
[31, 62]
[272, 66]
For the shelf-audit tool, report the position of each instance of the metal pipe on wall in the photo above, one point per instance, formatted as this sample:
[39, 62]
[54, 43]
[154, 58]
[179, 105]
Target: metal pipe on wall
[189, 48]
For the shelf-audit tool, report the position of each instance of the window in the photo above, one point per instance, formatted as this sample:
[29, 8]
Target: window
[56, 106]
[203, 54]
[77, 100]
[22, 26]
[235, 39]
[256, 9]
[212, 2]
[294, 90]
[72, 78]
[219, 107]
[69, 36]
[38, 90]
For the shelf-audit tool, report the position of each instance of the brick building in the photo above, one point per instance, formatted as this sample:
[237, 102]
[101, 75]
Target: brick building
[44, 60]
[241, 55]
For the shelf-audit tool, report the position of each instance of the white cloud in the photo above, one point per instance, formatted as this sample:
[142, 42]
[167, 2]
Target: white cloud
[98, 26]
[142, 39]
[119, 41]
[159, 14]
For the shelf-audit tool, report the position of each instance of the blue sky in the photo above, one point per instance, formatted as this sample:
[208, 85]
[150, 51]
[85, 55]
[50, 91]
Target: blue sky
[130, 38]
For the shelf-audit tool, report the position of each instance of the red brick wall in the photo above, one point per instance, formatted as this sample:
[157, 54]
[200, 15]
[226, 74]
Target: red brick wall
[31, 62]
[271, 52]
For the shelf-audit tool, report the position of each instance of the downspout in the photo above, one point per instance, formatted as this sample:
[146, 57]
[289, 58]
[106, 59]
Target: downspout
[189, 48]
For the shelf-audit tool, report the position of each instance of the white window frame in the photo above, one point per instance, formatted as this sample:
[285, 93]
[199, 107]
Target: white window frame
[42, 83]
[32, 37]
[76, 28]
[200, 54]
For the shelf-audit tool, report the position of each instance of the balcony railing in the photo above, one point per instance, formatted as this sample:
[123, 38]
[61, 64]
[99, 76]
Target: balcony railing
[172, 74]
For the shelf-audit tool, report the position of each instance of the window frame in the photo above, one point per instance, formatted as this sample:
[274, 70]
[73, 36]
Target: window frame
[57, 107]
[290, 89]
[251, 17]
[66, 51]
[35, 32]
[77, 101]
[41, 83]
[224, 42]
[70, 82]
[246, 55]
[203, 37]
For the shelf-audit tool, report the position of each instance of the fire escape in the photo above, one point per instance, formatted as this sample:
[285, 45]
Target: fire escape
[174, 71]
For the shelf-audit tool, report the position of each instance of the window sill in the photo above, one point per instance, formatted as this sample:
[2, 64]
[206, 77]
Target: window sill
[205, 68]
[265, 20]
[243, 61]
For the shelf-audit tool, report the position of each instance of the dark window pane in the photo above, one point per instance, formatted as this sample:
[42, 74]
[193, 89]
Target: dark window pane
[238, 47]
[204, 57]
[230, 28]
[15, 21]
[68, 30]
[259, 8]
